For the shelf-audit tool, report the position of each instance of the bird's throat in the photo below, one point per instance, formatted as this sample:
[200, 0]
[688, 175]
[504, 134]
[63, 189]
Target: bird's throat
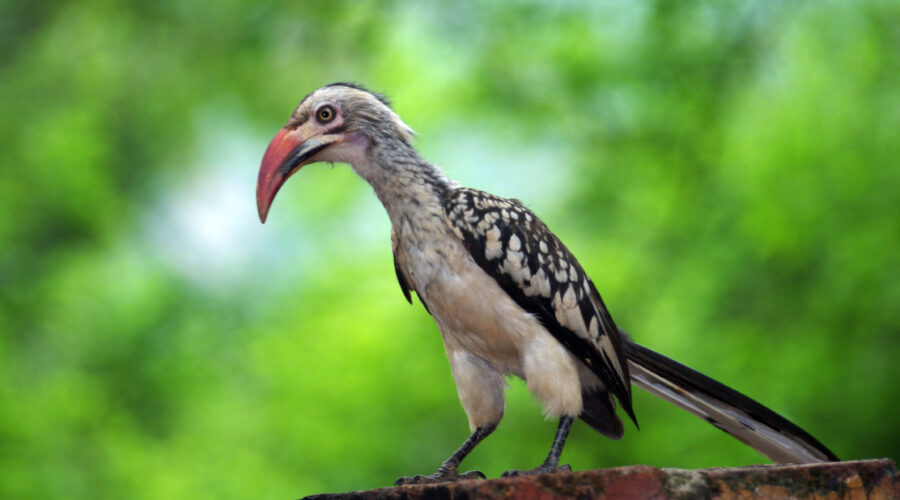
[406, 184]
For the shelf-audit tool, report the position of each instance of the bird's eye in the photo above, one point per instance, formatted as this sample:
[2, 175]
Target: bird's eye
[325, 114]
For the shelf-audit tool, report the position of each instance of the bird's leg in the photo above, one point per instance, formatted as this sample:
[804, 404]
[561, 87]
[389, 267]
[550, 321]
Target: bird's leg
[448, 470]
[551, 464]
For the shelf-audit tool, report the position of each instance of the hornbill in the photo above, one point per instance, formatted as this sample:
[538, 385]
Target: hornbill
[507, 295]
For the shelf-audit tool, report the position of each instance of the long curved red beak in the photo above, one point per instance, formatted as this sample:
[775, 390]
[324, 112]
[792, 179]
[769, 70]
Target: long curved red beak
[271, 176]
[287, 152]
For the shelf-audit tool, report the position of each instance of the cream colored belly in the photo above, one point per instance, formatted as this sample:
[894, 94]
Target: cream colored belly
[474, 313]
[476, 316]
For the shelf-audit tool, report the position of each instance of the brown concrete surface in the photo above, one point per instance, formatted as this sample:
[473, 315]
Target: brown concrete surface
[857, 480]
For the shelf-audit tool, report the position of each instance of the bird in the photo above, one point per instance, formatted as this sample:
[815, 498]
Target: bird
[508, 297]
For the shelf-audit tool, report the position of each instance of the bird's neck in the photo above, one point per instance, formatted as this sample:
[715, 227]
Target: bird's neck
[408, 186]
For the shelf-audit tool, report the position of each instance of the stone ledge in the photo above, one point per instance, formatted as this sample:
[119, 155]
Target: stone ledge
[865, 479]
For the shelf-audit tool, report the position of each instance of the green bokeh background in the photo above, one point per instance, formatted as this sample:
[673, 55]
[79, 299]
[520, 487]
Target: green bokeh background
[726, 171]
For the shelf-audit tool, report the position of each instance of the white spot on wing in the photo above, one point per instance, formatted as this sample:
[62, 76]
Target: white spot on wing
[568, 299]
[514, 243]
[492, 248]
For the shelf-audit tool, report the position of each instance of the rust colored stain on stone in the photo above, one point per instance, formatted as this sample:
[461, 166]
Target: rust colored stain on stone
[860, 480]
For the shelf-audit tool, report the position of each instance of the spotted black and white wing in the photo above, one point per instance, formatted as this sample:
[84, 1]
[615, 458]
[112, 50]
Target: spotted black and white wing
[537, 271]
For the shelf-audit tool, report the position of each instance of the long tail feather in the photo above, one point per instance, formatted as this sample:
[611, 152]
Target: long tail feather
[747, 420]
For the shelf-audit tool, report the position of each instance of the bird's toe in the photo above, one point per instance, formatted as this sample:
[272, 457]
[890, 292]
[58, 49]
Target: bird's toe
[441, 476]
[472, 474]
[541, 469]
[417, 479]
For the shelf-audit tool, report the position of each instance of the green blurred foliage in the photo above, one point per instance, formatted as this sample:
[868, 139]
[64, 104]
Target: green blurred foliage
[726, 171]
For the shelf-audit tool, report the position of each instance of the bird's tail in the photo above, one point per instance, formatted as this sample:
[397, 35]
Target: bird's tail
[755, 425]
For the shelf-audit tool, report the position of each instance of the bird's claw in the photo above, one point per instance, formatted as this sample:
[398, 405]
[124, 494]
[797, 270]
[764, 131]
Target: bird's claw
[441, 476]
[541, 469]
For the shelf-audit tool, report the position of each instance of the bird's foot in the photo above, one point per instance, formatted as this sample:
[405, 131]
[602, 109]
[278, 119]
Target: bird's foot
[442, 475]
[541, 469]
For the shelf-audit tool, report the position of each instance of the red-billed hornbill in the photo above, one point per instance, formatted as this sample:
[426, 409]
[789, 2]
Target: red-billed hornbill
[507, 295]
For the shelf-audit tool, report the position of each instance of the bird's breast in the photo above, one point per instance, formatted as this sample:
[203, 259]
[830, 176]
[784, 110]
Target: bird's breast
[471, 310]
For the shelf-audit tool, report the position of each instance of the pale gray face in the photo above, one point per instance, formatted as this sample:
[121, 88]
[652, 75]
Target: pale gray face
[336, 123]
[355, 110]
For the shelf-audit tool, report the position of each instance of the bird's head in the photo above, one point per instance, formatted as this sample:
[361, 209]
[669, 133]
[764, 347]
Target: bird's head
[336, 123]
